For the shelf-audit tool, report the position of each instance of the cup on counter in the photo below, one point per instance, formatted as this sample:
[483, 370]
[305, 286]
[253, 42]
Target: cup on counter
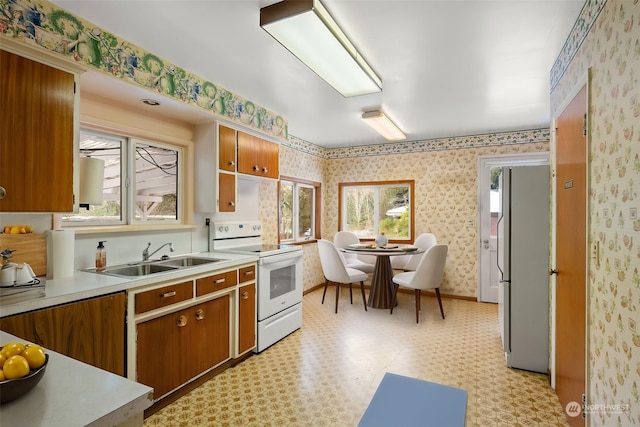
[24, 274]
[8, 275]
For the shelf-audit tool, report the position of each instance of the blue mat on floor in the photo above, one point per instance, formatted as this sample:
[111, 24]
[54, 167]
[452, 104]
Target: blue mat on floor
[409, 402]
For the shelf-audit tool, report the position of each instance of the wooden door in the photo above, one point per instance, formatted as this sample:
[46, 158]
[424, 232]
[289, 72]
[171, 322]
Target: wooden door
[37, 136]
[248, 153]
[247, 318]
[226, 192]
[269, 159]
[209, 335]
[90, 331]
[226, 149]
[571, 253]
[161, 345]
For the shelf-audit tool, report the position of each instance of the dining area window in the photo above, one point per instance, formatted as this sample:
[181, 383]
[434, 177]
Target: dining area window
[299, 204]
[381, 207]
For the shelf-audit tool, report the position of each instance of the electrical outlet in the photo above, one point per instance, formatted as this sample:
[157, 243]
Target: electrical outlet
[595, 253]
[207, 222]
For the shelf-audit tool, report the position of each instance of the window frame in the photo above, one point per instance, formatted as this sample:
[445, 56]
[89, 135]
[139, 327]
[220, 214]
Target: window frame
[128, 184]
[317, 208]
[342, 186]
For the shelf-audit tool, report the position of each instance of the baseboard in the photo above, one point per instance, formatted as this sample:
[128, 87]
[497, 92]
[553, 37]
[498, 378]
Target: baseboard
[404, 291]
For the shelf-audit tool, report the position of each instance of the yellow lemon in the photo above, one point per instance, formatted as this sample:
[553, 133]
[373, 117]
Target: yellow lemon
[3, 359]
[2, 377]
[15, 367]
[12, 348]
[35, 356]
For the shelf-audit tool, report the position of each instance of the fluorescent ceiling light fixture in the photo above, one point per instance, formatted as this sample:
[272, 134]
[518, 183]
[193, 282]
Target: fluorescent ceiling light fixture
[305, 28]
[383, 125]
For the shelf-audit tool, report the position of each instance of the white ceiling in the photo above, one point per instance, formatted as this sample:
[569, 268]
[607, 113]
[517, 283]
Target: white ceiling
[449, 67]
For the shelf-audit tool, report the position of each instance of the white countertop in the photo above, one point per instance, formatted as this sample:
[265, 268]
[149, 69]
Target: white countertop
[84, 284]
[72, 393]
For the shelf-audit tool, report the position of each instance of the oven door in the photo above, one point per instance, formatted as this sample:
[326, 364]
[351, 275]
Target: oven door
[279, 283]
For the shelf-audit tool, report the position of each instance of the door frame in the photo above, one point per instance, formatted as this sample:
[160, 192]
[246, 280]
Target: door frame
[498, 160]
[581, 82]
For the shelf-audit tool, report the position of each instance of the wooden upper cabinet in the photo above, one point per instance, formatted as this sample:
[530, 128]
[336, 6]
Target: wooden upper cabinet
[226, 149]
[257, 156]
[36, 136]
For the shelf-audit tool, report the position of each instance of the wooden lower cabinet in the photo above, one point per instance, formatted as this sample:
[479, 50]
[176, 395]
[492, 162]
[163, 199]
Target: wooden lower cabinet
[247, 318]
[92, 331]
[174, 348]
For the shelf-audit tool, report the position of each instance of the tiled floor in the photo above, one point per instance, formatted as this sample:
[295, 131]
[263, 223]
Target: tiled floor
[326, 373]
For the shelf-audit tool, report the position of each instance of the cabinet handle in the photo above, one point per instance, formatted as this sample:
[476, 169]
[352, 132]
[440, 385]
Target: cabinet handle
[232, 163]
[199, 314]
[182, 321]
[245, 295]
[265, 169]
[248, 273]
[219, 280]
[3, 192]
[232, 203]
[256, 168]
[168, 294]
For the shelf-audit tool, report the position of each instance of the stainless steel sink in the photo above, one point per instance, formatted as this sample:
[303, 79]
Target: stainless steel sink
[139, 270]
[152, 267]
[187, 261]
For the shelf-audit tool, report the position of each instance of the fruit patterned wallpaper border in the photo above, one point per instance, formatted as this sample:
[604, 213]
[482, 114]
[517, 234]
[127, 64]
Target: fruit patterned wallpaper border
[588, 16]
[437, 144]
[46, 25]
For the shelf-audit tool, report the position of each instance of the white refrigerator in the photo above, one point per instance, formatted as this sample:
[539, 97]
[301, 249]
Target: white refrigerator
[523, 262]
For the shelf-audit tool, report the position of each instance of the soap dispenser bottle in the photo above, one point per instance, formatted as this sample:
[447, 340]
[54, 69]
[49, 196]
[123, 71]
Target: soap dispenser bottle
[101, 257]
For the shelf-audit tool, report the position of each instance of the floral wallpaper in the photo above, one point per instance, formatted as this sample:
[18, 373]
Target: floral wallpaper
[445, 174]
[611, 53]
[46, 25]
[446, 196]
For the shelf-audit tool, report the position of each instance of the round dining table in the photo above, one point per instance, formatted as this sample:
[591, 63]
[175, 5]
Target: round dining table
[381, 292]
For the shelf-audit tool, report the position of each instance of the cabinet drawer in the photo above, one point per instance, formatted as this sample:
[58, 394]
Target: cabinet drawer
[162, 297]
[209, 284]
[247, 274]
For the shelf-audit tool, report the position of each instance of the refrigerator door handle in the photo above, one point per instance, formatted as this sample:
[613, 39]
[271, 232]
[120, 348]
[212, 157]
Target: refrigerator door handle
[498, 247]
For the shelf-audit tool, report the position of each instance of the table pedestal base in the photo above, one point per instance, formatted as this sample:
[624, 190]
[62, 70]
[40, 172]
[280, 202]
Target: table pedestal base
[381, 292]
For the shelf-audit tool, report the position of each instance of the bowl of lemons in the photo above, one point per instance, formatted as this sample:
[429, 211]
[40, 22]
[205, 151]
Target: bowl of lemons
[22, 366]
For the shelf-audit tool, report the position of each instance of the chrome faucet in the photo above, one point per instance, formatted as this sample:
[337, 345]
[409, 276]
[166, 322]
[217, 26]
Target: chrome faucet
[146, 255]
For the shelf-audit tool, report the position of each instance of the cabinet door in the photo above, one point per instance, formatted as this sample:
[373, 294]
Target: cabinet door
[247, 318]
[226, 148]
[226, 192]
[209, 345]
[248, 154]
[173, 349]
[269, 152]
[163, 350]
[92, 331]
[37, 134]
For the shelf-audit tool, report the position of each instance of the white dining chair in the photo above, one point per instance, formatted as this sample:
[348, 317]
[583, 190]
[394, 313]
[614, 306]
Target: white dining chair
[428, 275]
[410, 262]
[335, 271]
[342, 239]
